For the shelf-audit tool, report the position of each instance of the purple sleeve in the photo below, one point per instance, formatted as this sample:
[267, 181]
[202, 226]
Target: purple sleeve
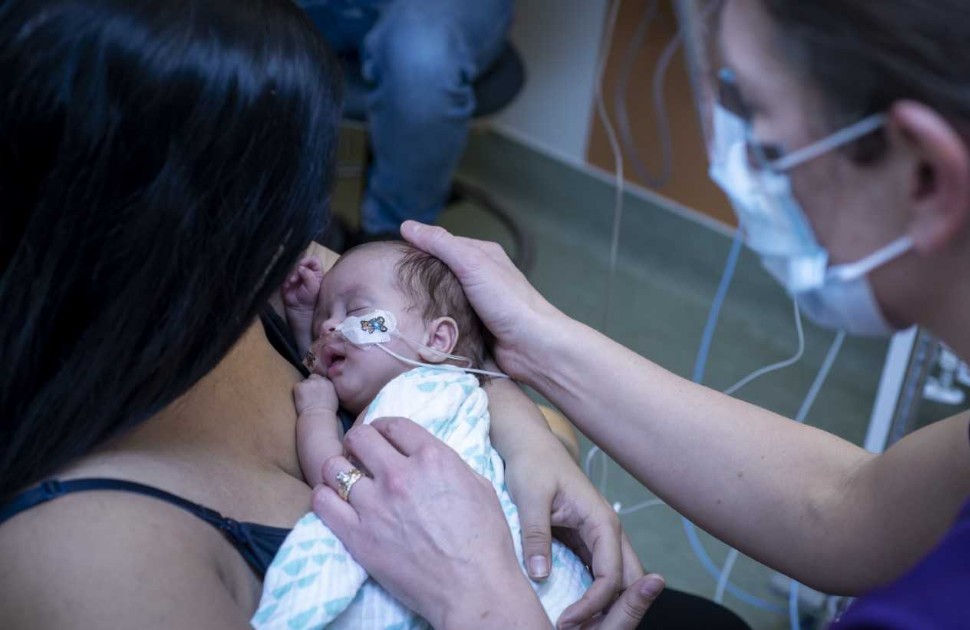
[934, 594]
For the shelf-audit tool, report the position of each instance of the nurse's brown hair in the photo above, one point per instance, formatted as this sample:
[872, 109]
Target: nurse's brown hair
[866, 54]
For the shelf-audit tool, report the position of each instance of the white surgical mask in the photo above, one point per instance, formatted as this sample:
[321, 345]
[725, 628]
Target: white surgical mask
[775, 226]
[377, 327]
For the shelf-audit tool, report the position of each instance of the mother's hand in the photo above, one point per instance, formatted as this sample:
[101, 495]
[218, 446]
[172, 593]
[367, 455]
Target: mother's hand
[428, 529]
[432, 532]
[558, 494]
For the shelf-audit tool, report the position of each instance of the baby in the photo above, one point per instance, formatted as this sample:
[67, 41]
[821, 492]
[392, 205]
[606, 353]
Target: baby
[382, 309]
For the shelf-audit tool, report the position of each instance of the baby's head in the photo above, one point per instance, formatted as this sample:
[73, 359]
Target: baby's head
[426, 300]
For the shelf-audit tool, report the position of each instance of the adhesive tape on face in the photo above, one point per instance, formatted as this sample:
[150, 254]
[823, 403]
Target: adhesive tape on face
[373, 327]
[376, 328]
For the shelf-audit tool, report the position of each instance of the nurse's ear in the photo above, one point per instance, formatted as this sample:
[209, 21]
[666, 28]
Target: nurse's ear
[440, 339]
[940, 184]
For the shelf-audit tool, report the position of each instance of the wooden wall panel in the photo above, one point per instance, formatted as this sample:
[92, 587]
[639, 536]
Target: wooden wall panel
[689, 184]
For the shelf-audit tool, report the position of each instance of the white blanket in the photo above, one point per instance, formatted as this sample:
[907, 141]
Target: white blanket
[314, 583]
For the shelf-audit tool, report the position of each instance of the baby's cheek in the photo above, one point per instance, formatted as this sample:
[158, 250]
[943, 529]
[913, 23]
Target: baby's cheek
[320, 310]
[315, 331]
[342, 389]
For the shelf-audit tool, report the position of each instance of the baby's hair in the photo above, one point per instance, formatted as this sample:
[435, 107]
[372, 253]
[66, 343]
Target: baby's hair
[435, 291]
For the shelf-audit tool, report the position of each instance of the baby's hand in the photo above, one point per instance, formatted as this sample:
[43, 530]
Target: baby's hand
[317, 393]
[300, 289]
[317, 428]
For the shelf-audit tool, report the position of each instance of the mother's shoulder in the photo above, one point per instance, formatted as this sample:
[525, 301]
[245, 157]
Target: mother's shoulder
[110, 559]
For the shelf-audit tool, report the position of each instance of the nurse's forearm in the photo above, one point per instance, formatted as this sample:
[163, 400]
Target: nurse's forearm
[765, 484]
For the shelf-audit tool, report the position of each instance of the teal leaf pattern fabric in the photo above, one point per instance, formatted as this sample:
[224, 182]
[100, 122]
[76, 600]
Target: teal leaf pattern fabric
[314, 583]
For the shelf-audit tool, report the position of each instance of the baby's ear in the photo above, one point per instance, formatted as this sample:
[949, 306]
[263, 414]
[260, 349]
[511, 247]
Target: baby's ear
[442, 337]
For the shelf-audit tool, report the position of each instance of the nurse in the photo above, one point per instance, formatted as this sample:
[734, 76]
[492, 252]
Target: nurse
[841, 137]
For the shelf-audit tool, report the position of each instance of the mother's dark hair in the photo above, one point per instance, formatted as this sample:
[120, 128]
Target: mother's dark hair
[162, 165]
[866, 54]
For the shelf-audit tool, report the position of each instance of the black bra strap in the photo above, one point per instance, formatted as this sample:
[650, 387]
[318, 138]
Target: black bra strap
[281, 338]
[256, 543]
[52, 489]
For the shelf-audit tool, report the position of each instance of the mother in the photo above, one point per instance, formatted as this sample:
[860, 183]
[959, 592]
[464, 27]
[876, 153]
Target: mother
[893, 196]
[163, 164]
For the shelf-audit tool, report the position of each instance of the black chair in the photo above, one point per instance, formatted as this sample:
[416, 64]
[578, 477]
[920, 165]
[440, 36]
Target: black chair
[494, 89]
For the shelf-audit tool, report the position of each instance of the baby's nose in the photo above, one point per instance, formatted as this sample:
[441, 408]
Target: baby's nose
[327, 327]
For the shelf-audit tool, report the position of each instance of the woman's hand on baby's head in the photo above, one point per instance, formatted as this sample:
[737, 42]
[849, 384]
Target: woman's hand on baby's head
[316, 392]
[300, 289]
[512, 310]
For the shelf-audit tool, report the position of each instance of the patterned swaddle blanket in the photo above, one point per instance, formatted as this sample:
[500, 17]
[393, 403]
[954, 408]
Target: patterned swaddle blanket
[313, 582]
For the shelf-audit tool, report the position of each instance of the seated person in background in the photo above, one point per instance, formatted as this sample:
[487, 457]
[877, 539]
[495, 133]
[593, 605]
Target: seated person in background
[382, 309]
[420, 59]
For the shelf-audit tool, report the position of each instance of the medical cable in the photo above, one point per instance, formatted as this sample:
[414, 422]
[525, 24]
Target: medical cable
[707, 337]
[617, 165]
[752, 600]
[823, 373]
[622, 511]
[439, 366]
[698, 373]
[800, 416]
[774, 367]
[377, 327]
[601, 485]
[620, 94]
[723, 574]
[724, 580]
[700, 365]
[793, 619]
[663, 124]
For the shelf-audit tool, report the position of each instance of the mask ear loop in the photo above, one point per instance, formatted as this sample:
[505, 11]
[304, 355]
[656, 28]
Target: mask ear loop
[834, 141]
[894, 250]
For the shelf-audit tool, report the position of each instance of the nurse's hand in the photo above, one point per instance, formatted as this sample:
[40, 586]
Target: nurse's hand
[515, 313]
[432, 533]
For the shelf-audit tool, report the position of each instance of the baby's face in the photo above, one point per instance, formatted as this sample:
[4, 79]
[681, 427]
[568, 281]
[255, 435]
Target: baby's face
[361, 282]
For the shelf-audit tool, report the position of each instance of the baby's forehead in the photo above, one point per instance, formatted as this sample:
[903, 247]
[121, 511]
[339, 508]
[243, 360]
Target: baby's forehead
[374, 266]
[371, 253]
[371, 263]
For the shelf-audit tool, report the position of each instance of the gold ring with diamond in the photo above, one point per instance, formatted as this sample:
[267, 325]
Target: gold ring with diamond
[346, 480]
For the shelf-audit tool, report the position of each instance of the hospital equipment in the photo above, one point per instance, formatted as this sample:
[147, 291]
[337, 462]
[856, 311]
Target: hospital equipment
[943, 388]
[693, 18]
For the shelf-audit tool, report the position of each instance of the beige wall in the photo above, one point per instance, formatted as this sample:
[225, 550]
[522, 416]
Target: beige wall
[558, 41]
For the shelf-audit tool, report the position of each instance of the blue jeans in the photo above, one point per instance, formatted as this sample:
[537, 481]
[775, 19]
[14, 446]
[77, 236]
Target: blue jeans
[420, 58]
